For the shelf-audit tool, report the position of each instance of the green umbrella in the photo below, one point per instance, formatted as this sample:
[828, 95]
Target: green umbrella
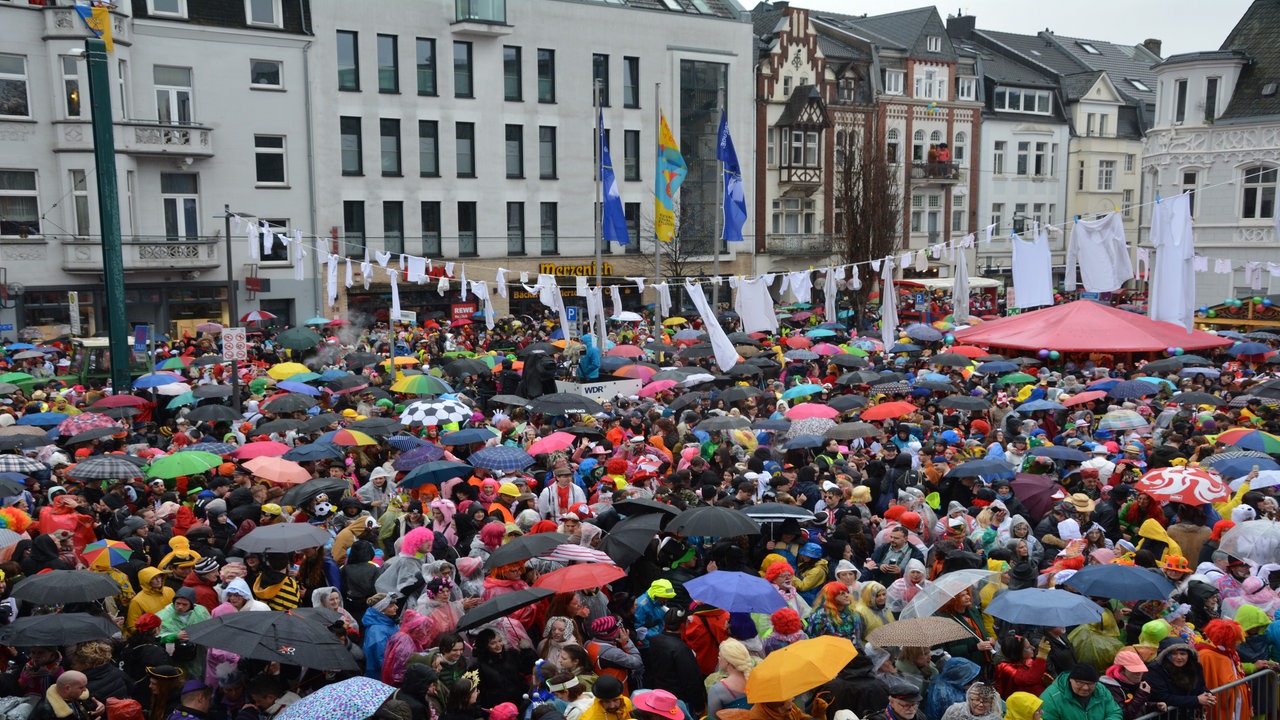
[299, 338]
[15, 377]
[186, 398]
[191, 462]
[1017, 379]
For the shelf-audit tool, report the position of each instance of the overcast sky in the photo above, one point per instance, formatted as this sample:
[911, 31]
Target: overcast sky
[1183, 25]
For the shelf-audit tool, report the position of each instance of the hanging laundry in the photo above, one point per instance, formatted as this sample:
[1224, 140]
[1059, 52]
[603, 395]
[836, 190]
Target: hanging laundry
[755, 306]
[462, 281]
[726, 354]
[922, 261]
[1099, 248]
[1032, 270]
[480, 289]
[888, 307]
[349, 279]
[442, 287]
[557, 302]
[393, 277]
[875, 265]
[366, 269]
[251, 233]
[831, 288]
[960, 288]
[383, 258]
[300, 252]
[331, 280]
[664, 298]
[639, 281]
[1200, 263]
[1253, 275]
[801, 284]
[415, 270]
[581, 286]
[595, 310]
[268, 243]
[1273, 269]
[987, 233]
[856, 277]
[616, 297]
[1173, 281]
[501, 282]
[1222, 266]
[448, 269]
[524, 277]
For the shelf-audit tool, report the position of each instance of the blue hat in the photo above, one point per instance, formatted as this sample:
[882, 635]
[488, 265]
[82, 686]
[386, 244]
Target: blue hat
[811, 550]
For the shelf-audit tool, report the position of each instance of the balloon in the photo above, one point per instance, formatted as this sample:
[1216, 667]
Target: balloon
[950, 339]
[1178, 351]
[1043, 354]
[1266, 302]
[1170, 350]
[1257, 300]
[1212, 313]
[1054, 354]
[1203, 309]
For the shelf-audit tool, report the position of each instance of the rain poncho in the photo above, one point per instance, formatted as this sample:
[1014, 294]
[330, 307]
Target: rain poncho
[1155, 538]
[589, 364]
[1097, 643]
[872, 617]
[961, 710]
[949, 685]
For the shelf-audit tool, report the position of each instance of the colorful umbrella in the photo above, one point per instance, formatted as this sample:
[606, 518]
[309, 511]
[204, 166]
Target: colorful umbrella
[352, 699]
[183, 463]
[798, 668]
[1250, 440]
[421, 385]
[1122, 420]
[641, 372]
[257, 316]
[106, 553]
[501, 457]
[884, 411]
[278, 470]
[284, 371]
[1186, 485]
[812, 410]
[77, 424]
[352, 438]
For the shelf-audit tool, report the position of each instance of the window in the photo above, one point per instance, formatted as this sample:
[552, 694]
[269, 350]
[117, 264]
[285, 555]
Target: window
[997, 157]
[462, 77]
[352, 146]
[428, 148]
[997, 216]
[167, 8]
[1091, 124]
[489, 11]
[515, 228]
[1106, 175]
[794, 216]
[279, 252]
[19, 203]
[548, 220]
[263, 13]
[1211, 99]
[465, 147]
[393, 226]
[891, 145]
[631, 213]
[1127, 203]
[467, 229]
[353, 228]
[512, 74]
[1128, 162]
[786, 86]
[960, 147]
[173, 94]
[1027, 101]
[631, 155]
[917, 213]
[1179, 101]
[917, 147]
[600, 73]
[1190, 186]
[268, 152]
[70, 86]
[515, 151]
[1138, 85]
[1037, 213]
[1102, 124]
[1024, 157]
[935, 137]
[933, 43]
[547, 152]
[388, 64]
[348, 60]
[1080, 176]
[1088, 47]
[1259, 193]
[122, 81]
[1041, 166]
[430, 211]
[425, 57]
[546, 75]
[80, 202]
[957, 221]
[180, 198]
[389, 146]
[771, 146]
[966, 88]
[893, 82]
[1019, 217]
[631, 82]
[931, 85]
[1053, 159]
[266, 74]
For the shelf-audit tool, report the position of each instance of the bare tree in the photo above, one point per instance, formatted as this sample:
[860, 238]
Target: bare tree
[868, 198]
[688, 254]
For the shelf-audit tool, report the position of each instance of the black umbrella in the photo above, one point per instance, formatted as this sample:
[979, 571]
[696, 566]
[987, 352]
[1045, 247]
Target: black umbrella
[23, 442]
[104, 467]
[525, 547]
[1163, 366]
[858, 377]
[982, 467]
[464, 367]
[964, 402]
[583, 431]
[213, 413]
[361, 359]
[287, 537]
[686, 400]
[700, 350]
[376, 426]
[120, 413]
[764, 361]
[212, 391]
[777, 512]
[741, 338]
[348, 382]
[713, 521]
[277, 426]
[634, 507]
[318, 422]
[313, 451]
[779, 425]
[724, 422]
[845, 403]
[502, 606]
[93, 434]
[565, 404]
[851, 431]
[745, 369]
[322, 615]
[950, 360]
[283, 637]
[434, 472]
[514, 400]
[937, 386]
[298, 338]
[289, 402]
[204, 360]
[59, 587]
[629, 539]
[739, 393]
[1198, 398]
[57, 630]
[300, 495]
[849, 361]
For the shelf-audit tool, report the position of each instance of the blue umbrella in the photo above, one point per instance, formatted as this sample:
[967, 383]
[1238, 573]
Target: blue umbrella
[996, 367]
[801, 355]
[1249, 348]
[1126, 583]
[19, 346]
[821, 332]
[425, 453]
[1130, 389]
[314, 451]
[152, 380]
[805, 441]
[406, 443]
[935, 377]
[435, 472]
[905, 348]
[557, 334]
[769, 424]
[831, 326]
[501, 457]
[1059, 452]
[333, 374]
[1043, 607]
[985, 468]
[217, 448]
[1035, 405]
[609, 363]
[1229, 334]
[803, 391]
[688, 334]
[467, 437]
[44, 419]
[297, 387]
[735, 592]
[1237, 463]
[923, 333]
[186, 398]
[1104, 384]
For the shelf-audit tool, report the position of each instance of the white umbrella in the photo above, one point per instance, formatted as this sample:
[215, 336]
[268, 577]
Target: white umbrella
[173, 389]
[1256, 540]
[627, 316]
[1265, 479]
[940, 591]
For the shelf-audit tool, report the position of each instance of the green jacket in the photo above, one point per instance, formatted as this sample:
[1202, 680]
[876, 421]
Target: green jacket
[1062, 704]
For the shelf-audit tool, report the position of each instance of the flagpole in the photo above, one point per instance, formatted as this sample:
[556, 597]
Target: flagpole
[600, 221]
[717, 239]
[657, 241]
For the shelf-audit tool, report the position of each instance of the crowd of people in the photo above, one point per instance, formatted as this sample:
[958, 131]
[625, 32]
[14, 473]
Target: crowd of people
[866, 510]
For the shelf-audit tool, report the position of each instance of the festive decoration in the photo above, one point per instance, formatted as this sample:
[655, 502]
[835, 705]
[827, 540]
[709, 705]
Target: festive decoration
[11, 518]
[1043, 354]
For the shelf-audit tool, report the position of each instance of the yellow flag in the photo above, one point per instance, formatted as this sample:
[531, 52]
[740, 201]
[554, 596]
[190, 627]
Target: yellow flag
[100, 23]
[670, 174]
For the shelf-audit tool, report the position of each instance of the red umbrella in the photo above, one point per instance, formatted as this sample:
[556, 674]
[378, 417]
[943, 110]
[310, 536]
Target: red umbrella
[84, 422]
[554, 442]
[641, 372]
[1186, 485]
[798, 342]
[459, 322]
[884, 411]
[579, 577]
[812, 410]
[629, 351]
[262, 448]
[257, 316]
[656, 387]
[1037, 493]
[968, 351]
[337, 322]
[1087, 396]
[115, 401]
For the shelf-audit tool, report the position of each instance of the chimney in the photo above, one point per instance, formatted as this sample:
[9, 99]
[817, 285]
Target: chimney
[781, 4]
[1153, 44]
[961, 26]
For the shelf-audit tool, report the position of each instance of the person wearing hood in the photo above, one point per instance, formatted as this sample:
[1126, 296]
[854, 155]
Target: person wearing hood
[1124, 681]
[1253, 593]
[152, 597]
[981, 702]
[1022, 706]
[902, 590]
[415, 635]
[442, 524]
[419, 690]
[589, 363]
[1176, 678]
[175, 618]
[1153, 538]
[331, 598]
[379, 625]
[856, 688]
[359, 574]
[1204, 600]
[1254, 650]
[1021, 669]
[872, 607]
[950, 686]
[1018, 528]
[44, 556]
[238, 595]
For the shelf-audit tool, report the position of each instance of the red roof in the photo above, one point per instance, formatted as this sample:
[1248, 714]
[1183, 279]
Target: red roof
[1086, 326]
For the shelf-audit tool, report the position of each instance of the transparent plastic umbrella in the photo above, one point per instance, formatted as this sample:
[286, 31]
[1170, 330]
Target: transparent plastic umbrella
[1256, 540]
[934, 596]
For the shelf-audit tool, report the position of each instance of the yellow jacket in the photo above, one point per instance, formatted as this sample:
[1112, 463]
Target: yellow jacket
[148, 599]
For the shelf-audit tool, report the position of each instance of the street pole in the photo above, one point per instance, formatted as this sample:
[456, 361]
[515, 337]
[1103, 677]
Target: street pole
[717, 239]
[657, 241]
[233, 307]
[104, 162]
[600, 220]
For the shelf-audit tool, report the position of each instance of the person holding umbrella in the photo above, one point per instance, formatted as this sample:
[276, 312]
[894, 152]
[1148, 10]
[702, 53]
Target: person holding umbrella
[835, 615]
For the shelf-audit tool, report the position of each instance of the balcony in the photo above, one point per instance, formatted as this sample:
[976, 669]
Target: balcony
[146, 253]
[797, 245]
[145, 138]
[924, 173]
[61, 22]
[481, 18]
[800, 175]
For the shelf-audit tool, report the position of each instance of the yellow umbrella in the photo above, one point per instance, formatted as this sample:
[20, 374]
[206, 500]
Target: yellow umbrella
[284, 371]
[798, 668]
[674, 321]
[402, 360]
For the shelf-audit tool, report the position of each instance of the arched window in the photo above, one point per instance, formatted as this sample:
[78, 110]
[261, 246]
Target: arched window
[961, 145]
[917, 147]
[839, 150]
[935, 136]
[891, 145]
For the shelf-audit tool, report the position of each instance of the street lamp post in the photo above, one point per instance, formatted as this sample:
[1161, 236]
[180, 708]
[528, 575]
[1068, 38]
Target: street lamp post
[233, 306]
[104, 161]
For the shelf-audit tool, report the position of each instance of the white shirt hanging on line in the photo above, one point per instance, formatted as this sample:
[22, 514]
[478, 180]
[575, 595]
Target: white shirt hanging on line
[1173, 279]
[1099, 247]
[1032, 270]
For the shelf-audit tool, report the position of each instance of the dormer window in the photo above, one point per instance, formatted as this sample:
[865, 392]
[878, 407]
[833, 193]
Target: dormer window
[933, 43]
[1089, 48]
[1139, 85]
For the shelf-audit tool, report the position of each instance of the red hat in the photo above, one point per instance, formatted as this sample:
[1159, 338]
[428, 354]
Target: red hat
[894, 512]
[147, 622]
[910, 520]
[582, 510]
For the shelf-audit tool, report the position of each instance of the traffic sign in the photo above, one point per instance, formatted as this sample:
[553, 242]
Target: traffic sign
[571, 313]
[233, 344]
[139, 338]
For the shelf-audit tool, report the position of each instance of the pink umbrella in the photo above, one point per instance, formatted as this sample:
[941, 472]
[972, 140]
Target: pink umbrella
[798, 342]
[554, 442]
[84, 422]
[812, 410]
[629, 351]
[262, 448]
[656, 387]
[826, 349]
[641, 372]
[278, 470]
[576, 553]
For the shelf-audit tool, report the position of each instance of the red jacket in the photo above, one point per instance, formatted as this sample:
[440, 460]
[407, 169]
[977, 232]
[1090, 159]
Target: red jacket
[1026, 676]
[205, 594]
[703, 632]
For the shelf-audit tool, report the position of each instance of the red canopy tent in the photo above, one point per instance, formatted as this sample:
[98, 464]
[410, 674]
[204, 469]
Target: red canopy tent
[1086, 326]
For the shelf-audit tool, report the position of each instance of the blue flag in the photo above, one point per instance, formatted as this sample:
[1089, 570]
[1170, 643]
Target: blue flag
[614, 228]
[735, 203]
